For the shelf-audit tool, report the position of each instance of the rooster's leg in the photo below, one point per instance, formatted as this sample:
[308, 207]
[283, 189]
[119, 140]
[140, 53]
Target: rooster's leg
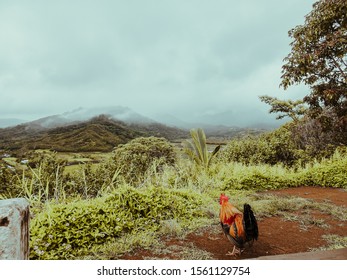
[236, 252]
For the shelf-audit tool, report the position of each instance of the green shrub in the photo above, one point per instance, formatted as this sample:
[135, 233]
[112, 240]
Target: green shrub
[327, 173]
[330, 172]
[65, 231]
[7, 188]
[260, 177]
[136, 157]
[269, 148]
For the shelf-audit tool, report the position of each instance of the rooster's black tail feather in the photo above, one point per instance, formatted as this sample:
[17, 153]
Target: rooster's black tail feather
[250, 223]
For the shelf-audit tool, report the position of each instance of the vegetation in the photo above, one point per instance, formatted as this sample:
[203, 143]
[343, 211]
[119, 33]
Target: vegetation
[100, 134]
[289, 108]
[318, 58]
[84, 214]
[133, 159]
[196, 148]
[105, 205]
[65, 231]
[272, 148]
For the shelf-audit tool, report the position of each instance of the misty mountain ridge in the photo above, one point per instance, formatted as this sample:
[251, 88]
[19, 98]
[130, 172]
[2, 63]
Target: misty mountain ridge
[81, 114]
[100, 133]
[84, 130]
[236, 118]
[121, 113]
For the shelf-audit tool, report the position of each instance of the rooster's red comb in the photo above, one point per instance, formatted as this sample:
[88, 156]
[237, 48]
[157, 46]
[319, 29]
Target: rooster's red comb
[222, 198]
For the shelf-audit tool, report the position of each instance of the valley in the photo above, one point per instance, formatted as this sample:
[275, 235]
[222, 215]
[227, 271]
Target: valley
[77, 132]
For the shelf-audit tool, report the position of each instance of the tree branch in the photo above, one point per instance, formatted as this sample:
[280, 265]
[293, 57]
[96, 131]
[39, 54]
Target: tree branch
[339, 67]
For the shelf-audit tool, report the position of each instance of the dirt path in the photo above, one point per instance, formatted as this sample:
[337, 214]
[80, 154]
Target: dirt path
[277, 236]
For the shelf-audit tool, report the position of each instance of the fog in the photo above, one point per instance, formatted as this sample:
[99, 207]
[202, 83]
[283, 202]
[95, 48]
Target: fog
[194, 61]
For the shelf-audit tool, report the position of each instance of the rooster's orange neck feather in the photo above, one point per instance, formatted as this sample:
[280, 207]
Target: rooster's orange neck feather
[227, 215]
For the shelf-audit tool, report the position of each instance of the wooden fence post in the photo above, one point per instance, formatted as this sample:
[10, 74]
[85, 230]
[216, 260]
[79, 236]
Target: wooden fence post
[14, 229]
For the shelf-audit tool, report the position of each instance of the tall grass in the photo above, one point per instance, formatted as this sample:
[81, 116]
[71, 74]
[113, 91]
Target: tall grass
[84, 197]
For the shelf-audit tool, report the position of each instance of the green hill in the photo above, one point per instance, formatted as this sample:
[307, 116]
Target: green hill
[98, 134]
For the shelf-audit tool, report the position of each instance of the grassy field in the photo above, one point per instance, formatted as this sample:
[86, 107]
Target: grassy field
[84, 206]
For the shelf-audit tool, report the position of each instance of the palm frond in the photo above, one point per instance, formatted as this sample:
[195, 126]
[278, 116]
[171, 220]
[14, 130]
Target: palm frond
[215, 151]
[196, 148]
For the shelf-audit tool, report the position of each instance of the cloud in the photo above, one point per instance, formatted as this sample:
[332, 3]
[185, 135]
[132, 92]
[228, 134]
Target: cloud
[153, 56]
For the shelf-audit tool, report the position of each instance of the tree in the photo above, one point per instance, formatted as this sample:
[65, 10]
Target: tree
[288, 108]
[196, 148]
[318, 58]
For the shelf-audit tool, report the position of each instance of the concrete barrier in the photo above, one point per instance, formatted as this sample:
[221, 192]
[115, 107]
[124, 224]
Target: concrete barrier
[14, 229]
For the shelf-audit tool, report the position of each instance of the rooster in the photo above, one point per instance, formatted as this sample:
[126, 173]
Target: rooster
[241, 229]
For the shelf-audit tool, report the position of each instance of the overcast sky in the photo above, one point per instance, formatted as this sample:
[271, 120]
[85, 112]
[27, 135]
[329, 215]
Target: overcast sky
[179, 57]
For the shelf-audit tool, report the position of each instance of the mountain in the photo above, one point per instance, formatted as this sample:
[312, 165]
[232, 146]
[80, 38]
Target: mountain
[101, 133]
[121, 113]
[101, 129]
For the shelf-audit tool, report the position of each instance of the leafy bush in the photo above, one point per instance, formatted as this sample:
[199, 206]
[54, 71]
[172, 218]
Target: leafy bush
[315, 138]
[85, 181]
[269, 148]
[327, 173]
[136, 157]
[65, 231]
[259, 177]
[245, 151]
[293, 144]
[6, 181]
